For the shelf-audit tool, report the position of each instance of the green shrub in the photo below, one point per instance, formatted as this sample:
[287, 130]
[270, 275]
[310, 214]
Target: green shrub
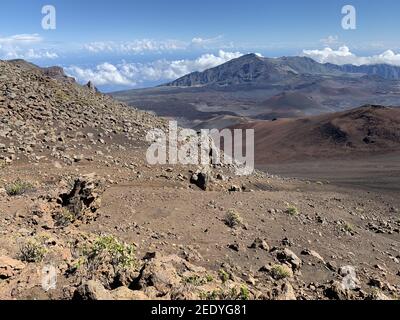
[210, 296]
[241, 293]
[293, 211]
[197, 280]
[279, 272]
[233, 218]
[110, 249]
[244, 293]
[64, 217]
[33, 250]
[223, 275]
[18, 187]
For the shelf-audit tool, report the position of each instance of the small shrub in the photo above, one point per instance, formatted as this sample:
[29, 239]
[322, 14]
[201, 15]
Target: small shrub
[19, 187]
[223, 275]
[109, 249]
[64, 218]
[279, 272]
[348, 227]
[241, 293]
[209, 278]
[197, 280]
[244, 293]
[293, 211]
[210, 296]
[233, 218]
[33, 250]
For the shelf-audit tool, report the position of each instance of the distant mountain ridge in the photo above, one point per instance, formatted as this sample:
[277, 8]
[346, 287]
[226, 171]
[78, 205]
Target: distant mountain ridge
[255, 87]
[253, 69]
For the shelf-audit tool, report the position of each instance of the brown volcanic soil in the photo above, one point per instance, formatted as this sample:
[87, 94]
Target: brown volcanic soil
[307, 232]
[289, 105]
[350, 134]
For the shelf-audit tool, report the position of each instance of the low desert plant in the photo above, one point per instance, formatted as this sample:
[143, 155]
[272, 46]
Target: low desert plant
[33, 250]
[18, 187]
[293, 211]
[64, 217]
[244, 293]
[210, 296]
[110, 250]
[279, 272]
[197, 280]
[223, 275]
[241, 293]
[233, 218]
[348, 227]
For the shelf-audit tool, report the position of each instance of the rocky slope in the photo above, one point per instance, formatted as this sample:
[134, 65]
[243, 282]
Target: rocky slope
[44, 118]
[83, 216]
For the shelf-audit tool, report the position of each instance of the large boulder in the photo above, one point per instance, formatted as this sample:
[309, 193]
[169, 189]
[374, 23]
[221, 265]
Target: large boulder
[336, 291]
[92, 290]
[84, 199]
[201, 179]
[161, 274]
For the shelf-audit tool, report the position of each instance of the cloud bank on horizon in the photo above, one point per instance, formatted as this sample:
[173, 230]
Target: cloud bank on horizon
[120, 67]
[343, 55]
[131, 74]
[22, 46]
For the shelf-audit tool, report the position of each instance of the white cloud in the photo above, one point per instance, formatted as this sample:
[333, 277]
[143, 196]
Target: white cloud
[20, 39]
[17, 53]
[103, 74]
[129, 74]
[330, 40]
[24, 46]
[137, 46]
[343, 55]
[205, 42]
[149, 45]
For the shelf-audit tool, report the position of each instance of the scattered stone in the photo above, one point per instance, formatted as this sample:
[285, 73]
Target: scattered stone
[375, 282]
[378, 295]
[260, 244]
[331, 265]
[285, 292]
[336, 291]
[286, 242]
[235, 189]
[10, 267]
[288, 256]
[200, 179]
[234, 247]
[313, 253]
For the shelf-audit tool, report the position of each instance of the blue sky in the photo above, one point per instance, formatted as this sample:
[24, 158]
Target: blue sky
[126, 44]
